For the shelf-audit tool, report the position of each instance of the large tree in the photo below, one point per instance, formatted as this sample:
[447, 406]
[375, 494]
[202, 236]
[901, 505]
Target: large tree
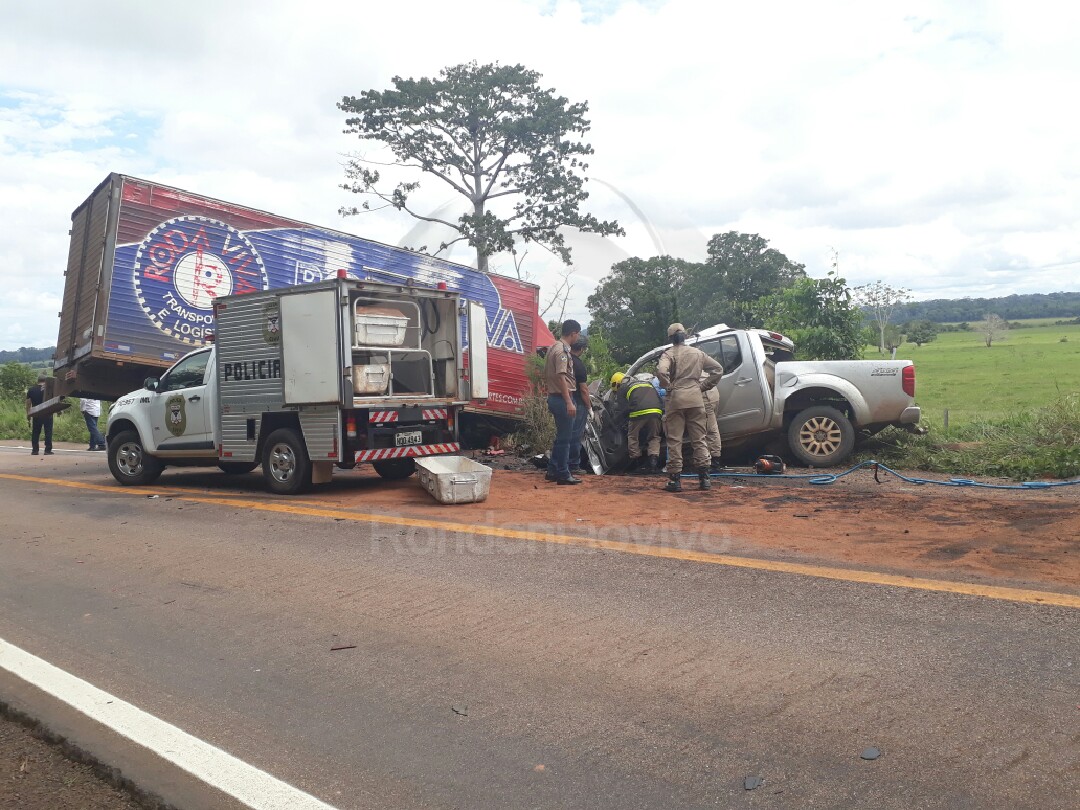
[880, 300]
[741, 268]
[493, 135]
[634, 304]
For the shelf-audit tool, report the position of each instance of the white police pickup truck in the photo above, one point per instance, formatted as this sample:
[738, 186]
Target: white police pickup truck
[305, 379]
[820, 408]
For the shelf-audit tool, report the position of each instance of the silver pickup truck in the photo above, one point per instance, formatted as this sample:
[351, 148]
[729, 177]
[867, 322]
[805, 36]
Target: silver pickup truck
[820, 408]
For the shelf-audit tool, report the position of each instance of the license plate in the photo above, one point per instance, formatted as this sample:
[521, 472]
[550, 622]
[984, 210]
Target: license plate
[408, 438]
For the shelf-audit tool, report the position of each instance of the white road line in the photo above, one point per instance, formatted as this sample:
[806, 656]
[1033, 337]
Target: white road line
[248, 784]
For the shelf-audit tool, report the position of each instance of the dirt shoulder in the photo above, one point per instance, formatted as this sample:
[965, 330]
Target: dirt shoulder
[1029, 538]
[37, 775]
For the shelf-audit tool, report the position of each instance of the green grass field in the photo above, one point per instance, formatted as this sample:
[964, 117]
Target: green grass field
[1029, 368]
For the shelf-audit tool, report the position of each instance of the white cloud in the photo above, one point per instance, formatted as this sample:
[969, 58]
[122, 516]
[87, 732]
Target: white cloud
[931, 143]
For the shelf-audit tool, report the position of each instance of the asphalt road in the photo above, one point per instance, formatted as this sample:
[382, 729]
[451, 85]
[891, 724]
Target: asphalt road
[503, 673]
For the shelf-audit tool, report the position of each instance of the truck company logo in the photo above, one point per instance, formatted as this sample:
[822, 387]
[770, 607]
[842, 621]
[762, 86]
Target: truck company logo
[184, 264]
[175, 415]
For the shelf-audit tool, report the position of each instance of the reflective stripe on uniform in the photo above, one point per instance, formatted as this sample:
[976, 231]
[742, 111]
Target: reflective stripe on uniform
[635, 387]
[646, 412]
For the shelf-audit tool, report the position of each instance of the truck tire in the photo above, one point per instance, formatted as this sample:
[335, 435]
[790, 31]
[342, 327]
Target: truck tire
[395, 469]
[285, 463]
[821, 436]
[129, 462]
[237, 467]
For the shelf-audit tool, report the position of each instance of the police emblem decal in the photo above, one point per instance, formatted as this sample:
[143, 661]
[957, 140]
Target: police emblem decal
[184, 265]
[175, 415]
[272, 323]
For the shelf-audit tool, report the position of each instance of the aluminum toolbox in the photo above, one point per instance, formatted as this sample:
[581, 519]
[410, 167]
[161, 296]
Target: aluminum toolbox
[371, 379]
[454, 479]
[379, 326]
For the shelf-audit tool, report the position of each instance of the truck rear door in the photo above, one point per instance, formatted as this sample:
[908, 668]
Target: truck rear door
[478, 351]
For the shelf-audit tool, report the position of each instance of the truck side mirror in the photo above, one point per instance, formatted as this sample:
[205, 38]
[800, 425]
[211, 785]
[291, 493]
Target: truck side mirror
[150, 383]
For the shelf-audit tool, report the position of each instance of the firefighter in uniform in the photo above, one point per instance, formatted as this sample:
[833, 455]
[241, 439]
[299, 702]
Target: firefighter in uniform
[686, 372]
[712, 430]
[642, 404]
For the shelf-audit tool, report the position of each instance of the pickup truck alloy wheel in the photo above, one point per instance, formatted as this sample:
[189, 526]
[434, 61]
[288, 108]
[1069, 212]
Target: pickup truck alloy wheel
[128, 461]
[821, 436]
[285, 463]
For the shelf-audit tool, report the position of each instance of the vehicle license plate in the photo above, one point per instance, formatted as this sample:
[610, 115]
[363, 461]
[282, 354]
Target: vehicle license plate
[409, 438]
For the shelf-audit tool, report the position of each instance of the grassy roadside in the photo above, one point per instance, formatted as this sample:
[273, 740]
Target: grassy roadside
[68, 426]
[1040, 442]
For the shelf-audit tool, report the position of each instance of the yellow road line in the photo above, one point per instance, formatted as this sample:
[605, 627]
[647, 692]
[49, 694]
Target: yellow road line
[684, 555]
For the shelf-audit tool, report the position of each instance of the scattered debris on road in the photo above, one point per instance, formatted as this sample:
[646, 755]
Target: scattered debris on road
[870, 753]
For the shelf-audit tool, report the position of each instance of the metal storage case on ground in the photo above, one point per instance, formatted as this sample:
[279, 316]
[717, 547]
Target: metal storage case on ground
[454, 479]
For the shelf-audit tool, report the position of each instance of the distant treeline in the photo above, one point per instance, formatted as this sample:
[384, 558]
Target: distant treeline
[1010, 307]
[27, 354]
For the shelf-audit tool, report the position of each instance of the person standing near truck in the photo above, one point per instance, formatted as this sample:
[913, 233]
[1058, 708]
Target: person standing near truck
[581, 379]
[91, 411]
[712, 429]
[562, 402]
[35, 396]
[686, 372]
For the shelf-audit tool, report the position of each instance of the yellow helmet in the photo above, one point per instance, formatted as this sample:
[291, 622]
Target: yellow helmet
[617, 378]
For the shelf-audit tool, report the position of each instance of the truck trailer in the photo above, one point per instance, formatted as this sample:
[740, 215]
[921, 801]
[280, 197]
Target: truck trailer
[147, 262]
[307, 378]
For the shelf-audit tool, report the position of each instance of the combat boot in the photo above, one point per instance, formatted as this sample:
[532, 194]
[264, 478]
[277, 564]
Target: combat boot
[674, 483]
[704, 482]
[652, 465]
[717, 465]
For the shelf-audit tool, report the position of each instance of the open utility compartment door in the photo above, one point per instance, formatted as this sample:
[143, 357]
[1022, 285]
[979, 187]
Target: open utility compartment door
[478, 351]
[311, 347]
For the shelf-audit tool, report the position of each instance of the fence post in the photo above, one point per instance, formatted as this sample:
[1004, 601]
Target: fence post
[946, 420]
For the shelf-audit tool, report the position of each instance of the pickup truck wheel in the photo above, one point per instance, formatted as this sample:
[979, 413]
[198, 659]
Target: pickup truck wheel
[129, 463]
[237, 467]
[286, 464]
[395, 469]
[821, 436]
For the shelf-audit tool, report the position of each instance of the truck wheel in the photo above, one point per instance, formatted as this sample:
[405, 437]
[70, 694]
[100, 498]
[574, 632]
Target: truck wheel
[395, 469]
[821, 436]
[237, 467]
[129, 463]
[285, 463]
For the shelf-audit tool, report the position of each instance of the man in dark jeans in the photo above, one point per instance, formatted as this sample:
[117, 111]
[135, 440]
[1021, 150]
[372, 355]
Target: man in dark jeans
[35, 396]
[582, 400]
[562, 402]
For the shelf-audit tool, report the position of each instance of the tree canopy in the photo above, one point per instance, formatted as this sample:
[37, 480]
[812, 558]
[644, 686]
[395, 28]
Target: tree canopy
[634, 304]
[740, 269]
[639, 298]
[920, 332]
[491, 134]
[819, 316]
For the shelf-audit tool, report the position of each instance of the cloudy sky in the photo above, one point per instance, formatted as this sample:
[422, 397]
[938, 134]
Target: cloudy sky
[930, 144]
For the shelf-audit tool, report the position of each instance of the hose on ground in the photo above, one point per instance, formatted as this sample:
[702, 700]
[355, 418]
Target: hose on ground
[824, 479]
